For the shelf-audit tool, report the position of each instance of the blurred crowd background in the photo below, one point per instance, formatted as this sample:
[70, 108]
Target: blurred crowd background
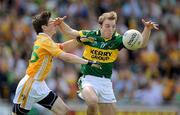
[149, 76]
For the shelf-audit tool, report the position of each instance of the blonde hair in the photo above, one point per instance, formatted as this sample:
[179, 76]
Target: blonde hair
[108, 15]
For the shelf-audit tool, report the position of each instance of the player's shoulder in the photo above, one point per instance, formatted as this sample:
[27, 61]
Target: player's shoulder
[43, 38]
[87, 32]
[44, 41]
[117, 36]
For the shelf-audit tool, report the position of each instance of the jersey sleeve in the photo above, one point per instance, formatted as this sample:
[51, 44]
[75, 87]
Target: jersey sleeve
[85, 33]
[52, 47]
[121, 45]
[119, 41]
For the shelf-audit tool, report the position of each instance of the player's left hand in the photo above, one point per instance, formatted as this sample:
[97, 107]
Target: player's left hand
[60, 46]
[94, 64]
[150, 25]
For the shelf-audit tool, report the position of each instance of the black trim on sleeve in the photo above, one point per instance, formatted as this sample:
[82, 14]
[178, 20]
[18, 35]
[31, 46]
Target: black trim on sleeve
[78, 38]
[121, 46]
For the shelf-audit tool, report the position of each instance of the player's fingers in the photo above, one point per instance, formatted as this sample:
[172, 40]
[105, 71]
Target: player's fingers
[156, 26]
[143, 21]
[96, 65]
[84, 39]
[64, 17]
[56, 21]
[149, 22]
[91, 39]
[153, 22]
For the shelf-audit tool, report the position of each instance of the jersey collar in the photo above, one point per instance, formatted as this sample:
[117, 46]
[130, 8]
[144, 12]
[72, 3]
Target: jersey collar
[43, 35]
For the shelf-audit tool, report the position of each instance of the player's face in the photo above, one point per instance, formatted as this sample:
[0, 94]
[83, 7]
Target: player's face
[107, 28]
[51, 27]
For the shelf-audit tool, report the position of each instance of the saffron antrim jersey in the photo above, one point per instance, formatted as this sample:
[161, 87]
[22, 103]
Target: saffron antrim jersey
[41, 60]
[102, 51]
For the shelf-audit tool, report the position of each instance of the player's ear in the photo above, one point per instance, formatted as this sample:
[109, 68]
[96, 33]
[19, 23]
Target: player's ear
[44, 27]
[100, 26]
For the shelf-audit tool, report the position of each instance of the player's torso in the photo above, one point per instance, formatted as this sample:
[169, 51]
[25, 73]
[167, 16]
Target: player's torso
[40, 62]
[105, 52]
[101, 50]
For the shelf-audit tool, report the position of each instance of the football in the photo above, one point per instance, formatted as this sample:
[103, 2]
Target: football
[132, 39]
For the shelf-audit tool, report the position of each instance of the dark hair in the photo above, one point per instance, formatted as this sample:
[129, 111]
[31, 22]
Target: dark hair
[39, 20]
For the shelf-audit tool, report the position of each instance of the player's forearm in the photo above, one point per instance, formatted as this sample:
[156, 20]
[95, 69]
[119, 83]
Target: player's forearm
[67, 30]
[145, 34]
[72, 58]
[70, 45]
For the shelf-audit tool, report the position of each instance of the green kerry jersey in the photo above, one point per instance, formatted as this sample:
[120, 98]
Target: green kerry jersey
[102, 51]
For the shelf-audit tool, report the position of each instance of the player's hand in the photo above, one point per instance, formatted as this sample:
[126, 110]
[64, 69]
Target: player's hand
[150, 25]
[60, 46]
[87, 39]
[94, 64]
[58, 21]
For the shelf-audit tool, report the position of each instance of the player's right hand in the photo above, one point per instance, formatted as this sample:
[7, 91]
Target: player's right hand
[150, 24]
[94, 64]
[85, 39]
[60, 46]
[58, 20]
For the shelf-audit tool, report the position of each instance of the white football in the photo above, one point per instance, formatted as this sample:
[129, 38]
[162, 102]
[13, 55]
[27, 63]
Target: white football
[132, 39]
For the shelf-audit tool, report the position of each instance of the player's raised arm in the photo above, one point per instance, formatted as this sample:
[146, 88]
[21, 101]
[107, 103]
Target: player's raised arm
[149, 25]
[66, 29]
[72, 33]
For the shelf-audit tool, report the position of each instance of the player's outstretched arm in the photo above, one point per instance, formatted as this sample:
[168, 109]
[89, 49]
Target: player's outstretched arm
[69, 45]
[148, 26]
[64, 28]
[77, 60]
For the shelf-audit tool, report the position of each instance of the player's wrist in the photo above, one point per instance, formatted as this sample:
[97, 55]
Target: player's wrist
[90, 63]
[78, 38]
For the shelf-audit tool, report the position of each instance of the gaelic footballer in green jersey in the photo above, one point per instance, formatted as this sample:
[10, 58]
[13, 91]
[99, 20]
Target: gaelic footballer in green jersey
[102, 51]
[95, 85]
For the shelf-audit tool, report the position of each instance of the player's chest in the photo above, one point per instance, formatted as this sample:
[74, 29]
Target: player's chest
[102, 44]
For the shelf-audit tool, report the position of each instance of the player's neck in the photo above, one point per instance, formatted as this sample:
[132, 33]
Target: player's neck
[50, 34]
[106, 38]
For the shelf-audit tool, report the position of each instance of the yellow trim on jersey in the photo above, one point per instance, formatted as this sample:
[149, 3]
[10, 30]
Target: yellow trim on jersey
[100, 55]
[21, 94]
[22, 99]
[31, 81]
[81, 33]
[42, 74]
[41, 70]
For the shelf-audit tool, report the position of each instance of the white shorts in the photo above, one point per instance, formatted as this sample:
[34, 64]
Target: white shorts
[30, 91]
[102, 87]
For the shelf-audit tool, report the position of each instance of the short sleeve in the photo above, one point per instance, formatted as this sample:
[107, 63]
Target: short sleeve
[84, 33]
[119, 41]
[51, 47]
